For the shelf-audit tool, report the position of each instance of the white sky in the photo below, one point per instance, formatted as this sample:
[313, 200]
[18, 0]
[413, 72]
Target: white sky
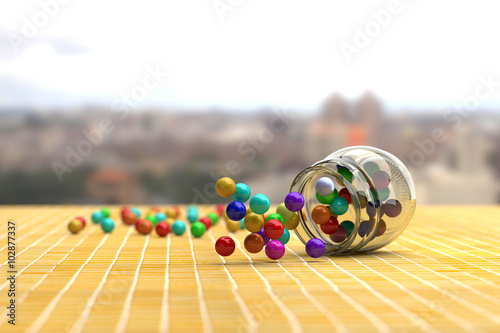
[262, 53]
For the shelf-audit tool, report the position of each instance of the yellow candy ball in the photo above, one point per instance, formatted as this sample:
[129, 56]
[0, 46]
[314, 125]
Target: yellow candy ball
[253, 222]
[75, 226]
[170, 212]
[233, 226]
[225, 187]
[293, 223]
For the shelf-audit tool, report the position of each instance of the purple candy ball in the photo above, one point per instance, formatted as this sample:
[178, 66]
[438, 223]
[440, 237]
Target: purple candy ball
[315, 247]
[294, 201]
[275, 249]
[266, 239]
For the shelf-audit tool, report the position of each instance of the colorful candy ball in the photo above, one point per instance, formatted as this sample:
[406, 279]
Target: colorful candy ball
[259, 204]
[320, 214]
[242, 193]
[392, 208]
[160, 216]
[144, 226]
[339, 206]
[293, 223]
[273, 229]
[198, 229]
[381, 228]
[349, 226]
[254, 243]
[105, 211]
[284, 212]
[192, 215]
[225, 187]
[162, 229]
[97, 217]
[344, 193]
[178, 227]
[74, 226]
[381, 180]
[107, 225]
[315, 247]
[285, 238]
[275, 216]
[327, 199]
[324, 186]
[253, 222]
[263, 235]
[153, 219]
[294, 201]
[81, 219]
[236, 210]
[331, 226]
[275, 249]
[214, 217]
[340, 235]
[225, 246]
[206, 221]
[233, 226]
[136, 211]
[129, 217]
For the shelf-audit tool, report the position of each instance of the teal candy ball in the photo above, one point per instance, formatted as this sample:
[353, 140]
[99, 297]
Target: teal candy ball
[242, 193]
[97, 217]
[285, 237]
[178, 227]
[107, 225]
[192, 215]
[259, 204]
[339, 206]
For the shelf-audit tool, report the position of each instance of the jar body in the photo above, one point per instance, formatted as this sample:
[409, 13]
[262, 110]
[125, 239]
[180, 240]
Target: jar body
[380, 194]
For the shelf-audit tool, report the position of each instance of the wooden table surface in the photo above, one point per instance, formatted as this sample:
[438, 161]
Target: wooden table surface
[442, 274]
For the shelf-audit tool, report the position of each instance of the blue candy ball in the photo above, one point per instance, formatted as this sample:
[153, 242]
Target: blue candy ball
[236, 211]
[242, 193]
[192, 215]
[160, 216]
[259, 204]
[107, 224]
[324, 186]
[178, 227]
[97, 217]
[285, 237]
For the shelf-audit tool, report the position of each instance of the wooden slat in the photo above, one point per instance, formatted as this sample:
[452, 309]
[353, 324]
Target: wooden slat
[442, 274]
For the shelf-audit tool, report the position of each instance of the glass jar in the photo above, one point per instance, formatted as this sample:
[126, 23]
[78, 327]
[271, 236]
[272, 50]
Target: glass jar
[380, 199]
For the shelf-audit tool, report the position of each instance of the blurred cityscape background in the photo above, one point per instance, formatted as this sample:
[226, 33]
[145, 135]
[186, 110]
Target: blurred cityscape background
[174, 156]
[257, 90]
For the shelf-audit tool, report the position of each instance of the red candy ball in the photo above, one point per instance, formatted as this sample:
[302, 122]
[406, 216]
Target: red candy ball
[344, 193]
[225, 246]
[331, 226]
[220, 209]
[206, 221]
[273, 229]
[162, 229]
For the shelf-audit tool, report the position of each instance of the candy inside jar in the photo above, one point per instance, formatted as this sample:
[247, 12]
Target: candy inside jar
[356, 199]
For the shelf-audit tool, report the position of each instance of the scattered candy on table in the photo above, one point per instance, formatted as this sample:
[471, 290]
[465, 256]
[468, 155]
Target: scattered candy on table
[225, 246]
[107, 225]
[178, 227]
[273, 229]
[275, 249]
[75, 225]
[144, 226]
[198, 229]
[254, 243]
[162, 229]
[315, 247]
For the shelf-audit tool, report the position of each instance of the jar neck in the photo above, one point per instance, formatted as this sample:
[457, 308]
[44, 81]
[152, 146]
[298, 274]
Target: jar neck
[361, 190]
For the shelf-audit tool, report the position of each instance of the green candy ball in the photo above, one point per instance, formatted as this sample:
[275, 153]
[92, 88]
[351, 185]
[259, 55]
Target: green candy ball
[105, 211]
[198, 229]
[327, 200]
[349, 226]
[275, 216]
[214, 217]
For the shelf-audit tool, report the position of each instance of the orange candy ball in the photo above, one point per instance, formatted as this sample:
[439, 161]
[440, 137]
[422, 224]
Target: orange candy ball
[144, 226]
[254, 243]
[129, 217]
[320, 214]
